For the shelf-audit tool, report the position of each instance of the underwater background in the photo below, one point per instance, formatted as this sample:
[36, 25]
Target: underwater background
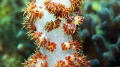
[100, 33]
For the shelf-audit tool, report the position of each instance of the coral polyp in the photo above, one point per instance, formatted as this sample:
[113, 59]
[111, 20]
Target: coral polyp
[51, 25]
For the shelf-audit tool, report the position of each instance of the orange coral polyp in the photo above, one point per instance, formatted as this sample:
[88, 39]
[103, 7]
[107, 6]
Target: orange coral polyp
[76, 45]
[35, 35]
[33, 59]
[71, 45]
[45, 64]
[60, 63]
[69, 28]
[66, 46]
[33, 12]
[28, 24]
[78, 20]
[74, 4]
[72, 61]
[41, 42]
[58, 9]
[39, 39]
[51, 46]
[39, 55]
[52, 25]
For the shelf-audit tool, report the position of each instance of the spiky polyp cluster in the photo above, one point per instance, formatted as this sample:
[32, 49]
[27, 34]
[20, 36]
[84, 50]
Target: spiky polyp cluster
[51, 26]
[76, 60]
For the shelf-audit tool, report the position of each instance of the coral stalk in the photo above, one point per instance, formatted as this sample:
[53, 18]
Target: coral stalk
[52, 25]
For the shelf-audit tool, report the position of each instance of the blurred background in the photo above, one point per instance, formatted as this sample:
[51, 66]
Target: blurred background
[15, 46]
[100, 33]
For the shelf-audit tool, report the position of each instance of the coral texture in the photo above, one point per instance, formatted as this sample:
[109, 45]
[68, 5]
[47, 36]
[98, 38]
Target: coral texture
[53, 24]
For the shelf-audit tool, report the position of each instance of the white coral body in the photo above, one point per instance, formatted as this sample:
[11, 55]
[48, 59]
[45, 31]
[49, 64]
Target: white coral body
[53, 31]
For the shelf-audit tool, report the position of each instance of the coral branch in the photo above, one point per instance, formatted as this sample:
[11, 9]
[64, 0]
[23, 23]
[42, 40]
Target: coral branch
[51, 26]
